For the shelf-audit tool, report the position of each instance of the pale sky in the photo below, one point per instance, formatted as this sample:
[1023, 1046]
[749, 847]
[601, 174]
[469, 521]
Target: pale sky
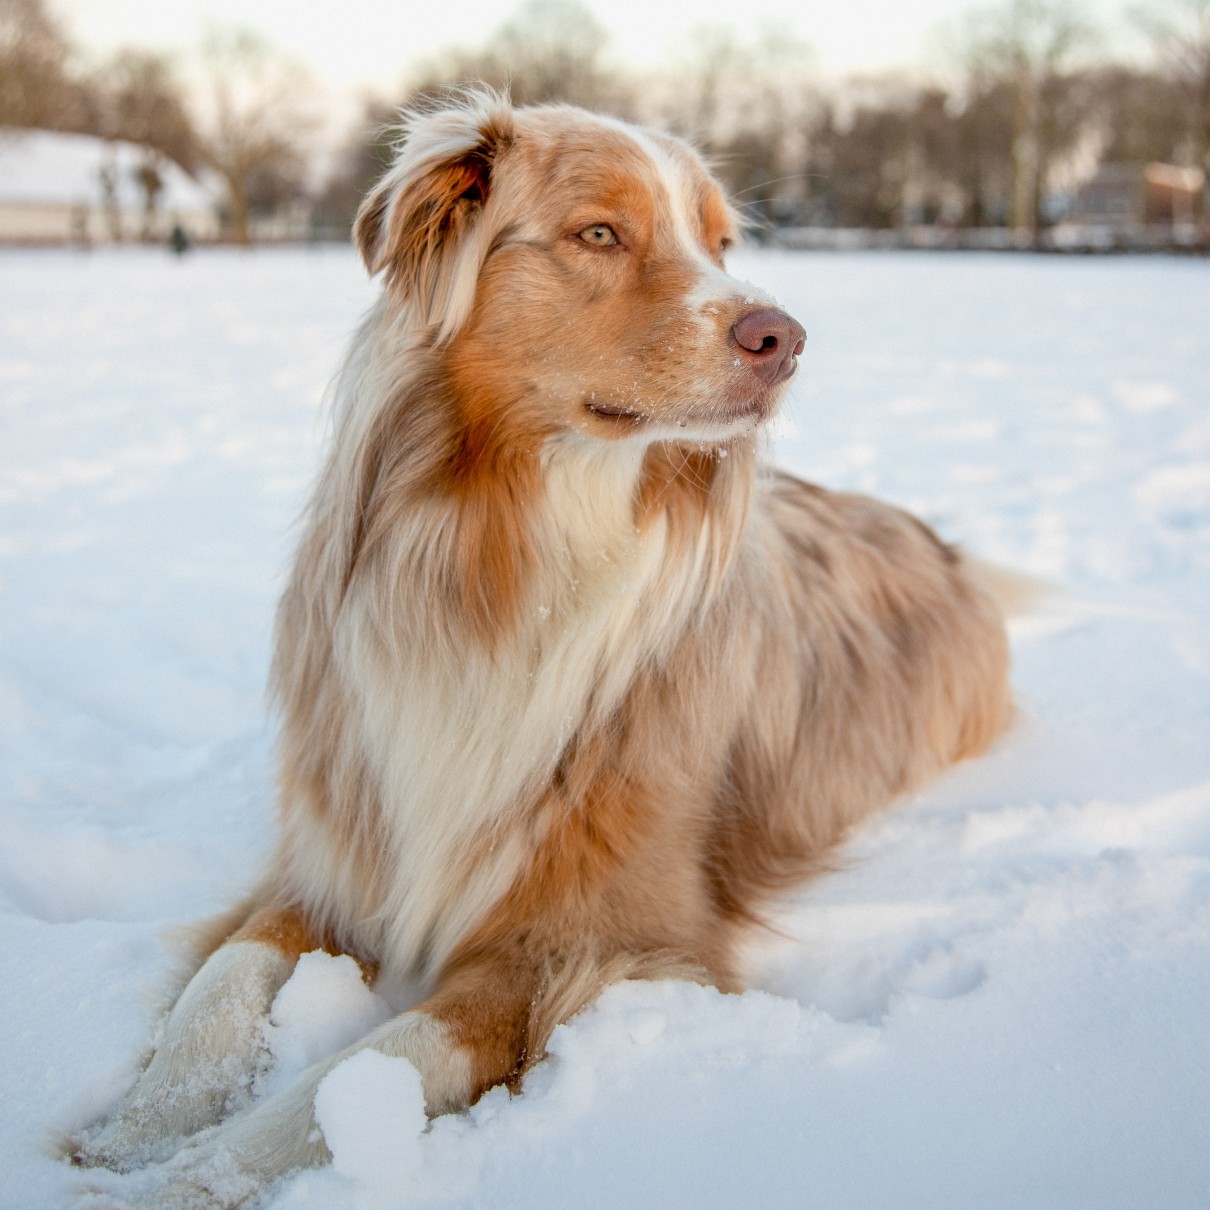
[357, 44]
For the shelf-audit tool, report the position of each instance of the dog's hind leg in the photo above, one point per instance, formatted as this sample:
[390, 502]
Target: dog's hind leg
[211, 1047]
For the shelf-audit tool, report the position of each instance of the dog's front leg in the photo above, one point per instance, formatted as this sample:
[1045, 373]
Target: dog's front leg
[203, 1068]
[488, 1018]
[232, 1163]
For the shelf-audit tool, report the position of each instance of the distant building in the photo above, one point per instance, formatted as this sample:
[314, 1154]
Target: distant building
[77, 189]
[1173, 195]
[1123, 196]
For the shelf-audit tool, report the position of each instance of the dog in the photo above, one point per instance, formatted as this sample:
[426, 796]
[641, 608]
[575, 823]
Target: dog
[570, 684]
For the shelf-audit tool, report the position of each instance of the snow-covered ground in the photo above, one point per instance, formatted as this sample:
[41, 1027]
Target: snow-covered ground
[1001, 998]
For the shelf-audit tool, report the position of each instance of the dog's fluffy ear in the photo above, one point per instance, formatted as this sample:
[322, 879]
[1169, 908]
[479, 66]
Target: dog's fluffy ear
[418, 218]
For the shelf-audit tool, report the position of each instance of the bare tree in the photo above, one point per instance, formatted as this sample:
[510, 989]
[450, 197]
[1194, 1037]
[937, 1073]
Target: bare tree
[37, 88]
[1180, 30]
[1024, 53]
[549, 50]
[985, 156]
[256, 128]
[1140, 114]
[881, 159]
[140, 100]
[143, 102]
[751, 105]
[364, 157]
[555, 50]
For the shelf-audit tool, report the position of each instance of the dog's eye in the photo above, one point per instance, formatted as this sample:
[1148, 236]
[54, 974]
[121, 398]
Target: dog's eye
[599, 235]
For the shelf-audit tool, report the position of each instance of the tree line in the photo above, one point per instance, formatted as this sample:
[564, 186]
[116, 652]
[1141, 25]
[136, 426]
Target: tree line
[245, 116]
[1028, 102]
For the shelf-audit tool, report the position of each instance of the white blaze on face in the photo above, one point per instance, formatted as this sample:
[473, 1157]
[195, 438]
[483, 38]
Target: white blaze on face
[716, 302]
[716, 291]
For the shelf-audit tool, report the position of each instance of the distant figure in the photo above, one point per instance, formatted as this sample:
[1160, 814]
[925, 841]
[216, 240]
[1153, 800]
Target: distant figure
[179, 239]
[79, 227]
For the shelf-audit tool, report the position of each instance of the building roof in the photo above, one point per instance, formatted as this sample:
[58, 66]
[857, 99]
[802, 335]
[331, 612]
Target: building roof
[65, 169]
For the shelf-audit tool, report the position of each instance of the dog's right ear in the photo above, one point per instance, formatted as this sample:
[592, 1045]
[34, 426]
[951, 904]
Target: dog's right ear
[415, 222]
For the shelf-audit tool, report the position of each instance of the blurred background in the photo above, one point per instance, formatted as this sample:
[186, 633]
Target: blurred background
[1010, 124]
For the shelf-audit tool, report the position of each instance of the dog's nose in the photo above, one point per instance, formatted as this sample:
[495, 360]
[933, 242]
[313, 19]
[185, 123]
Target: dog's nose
[769, 340]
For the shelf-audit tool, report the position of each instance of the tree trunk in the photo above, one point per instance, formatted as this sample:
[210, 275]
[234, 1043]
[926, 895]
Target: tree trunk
[238, 198]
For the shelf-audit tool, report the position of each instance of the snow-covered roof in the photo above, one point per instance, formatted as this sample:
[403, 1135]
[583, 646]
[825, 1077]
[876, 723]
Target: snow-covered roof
[65, 169]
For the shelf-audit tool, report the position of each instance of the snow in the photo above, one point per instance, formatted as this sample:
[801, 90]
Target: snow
[371, 1111]
[998, 999]
[324, 1007]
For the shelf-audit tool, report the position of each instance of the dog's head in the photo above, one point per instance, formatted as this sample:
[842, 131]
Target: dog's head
[569, 270]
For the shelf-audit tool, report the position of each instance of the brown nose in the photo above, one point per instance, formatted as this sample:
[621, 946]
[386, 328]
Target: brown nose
[769, 341]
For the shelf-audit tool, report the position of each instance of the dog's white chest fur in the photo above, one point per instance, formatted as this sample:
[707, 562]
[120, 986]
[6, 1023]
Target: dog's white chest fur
[462, 745]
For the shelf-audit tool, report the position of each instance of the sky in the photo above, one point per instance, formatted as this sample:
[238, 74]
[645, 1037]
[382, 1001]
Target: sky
[360, 45]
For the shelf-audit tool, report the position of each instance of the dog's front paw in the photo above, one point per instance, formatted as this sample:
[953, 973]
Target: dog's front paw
[196, 1179]
[114, 1148]
[138, 1134]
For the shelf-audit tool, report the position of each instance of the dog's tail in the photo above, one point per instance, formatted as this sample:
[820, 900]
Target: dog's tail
[1013, 591]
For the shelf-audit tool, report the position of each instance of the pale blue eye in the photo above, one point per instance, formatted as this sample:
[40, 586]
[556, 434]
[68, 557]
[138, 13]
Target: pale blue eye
[600, 235]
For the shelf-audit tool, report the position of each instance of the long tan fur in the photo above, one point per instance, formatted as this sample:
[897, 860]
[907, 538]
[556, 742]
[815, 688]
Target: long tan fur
[570, 683]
